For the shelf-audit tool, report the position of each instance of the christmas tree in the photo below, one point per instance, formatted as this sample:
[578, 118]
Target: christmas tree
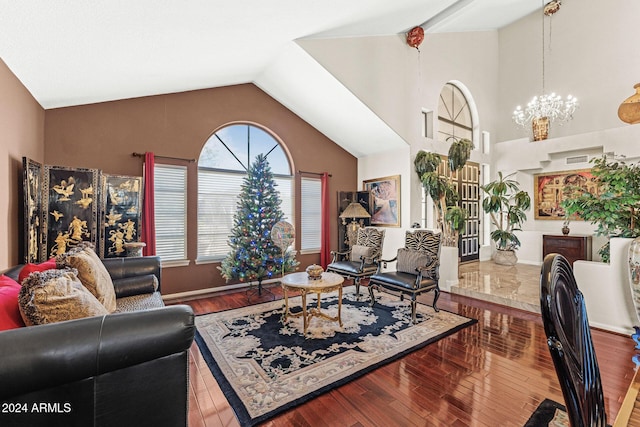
[254, 256]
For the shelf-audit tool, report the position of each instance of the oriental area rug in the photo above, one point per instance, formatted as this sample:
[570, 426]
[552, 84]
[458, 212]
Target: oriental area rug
[264, 367]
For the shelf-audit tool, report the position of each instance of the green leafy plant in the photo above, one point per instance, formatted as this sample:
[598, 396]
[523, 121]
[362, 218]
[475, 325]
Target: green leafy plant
[450, 218]
[615, 210]
[506, 205]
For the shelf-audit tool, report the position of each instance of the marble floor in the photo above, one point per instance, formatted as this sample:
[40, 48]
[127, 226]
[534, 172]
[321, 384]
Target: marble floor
[514, 286]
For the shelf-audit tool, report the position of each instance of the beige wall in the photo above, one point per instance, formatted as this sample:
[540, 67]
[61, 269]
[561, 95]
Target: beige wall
[591, 53]
[21, 134]
[104, 136]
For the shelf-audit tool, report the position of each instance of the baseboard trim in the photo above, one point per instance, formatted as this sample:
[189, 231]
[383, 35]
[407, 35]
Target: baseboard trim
[199, 293]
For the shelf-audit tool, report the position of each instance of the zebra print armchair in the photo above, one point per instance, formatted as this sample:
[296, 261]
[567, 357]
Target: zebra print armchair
[417, 269]
[360, 260]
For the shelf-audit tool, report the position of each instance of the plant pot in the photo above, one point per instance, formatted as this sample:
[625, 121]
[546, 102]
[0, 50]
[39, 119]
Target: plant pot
[565, 229]
[505, 257]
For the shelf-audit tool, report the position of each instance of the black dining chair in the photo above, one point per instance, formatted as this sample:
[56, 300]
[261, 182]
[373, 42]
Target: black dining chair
[566, 326]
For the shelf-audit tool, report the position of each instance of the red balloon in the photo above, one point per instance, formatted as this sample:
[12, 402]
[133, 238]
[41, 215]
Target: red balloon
[415, 37]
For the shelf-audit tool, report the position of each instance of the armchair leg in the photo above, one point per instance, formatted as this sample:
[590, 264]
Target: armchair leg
[435, 299]
[356, 281]
[371, 296]
[413, 309]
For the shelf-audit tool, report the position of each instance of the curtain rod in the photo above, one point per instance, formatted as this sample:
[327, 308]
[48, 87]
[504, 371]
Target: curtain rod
[313, 173]
[164, 157]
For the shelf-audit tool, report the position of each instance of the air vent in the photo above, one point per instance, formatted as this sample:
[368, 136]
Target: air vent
[577, 159]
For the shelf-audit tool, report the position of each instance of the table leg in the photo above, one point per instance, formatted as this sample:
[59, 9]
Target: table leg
[286, 304]
[340, 306]
[305, 319]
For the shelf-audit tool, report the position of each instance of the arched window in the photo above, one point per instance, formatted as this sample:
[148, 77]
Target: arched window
[222, 166]
[454, 114]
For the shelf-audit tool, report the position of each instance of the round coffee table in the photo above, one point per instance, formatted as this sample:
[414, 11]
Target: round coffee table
[300, 282]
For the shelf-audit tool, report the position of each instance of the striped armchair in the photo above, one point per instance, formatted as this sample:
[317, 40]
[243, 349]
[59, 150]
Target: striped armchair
[360, 260]
[417, 269]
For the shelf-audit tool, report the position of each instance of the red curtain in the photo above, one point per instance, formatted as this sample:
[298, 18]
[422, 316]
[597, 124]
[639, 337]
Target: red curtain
[325, 238]
[148, 207]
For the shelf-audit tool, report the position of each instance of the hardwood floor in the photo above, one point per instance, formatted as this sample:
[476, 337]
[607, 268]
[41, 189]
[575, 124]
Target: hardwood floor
[494, 373]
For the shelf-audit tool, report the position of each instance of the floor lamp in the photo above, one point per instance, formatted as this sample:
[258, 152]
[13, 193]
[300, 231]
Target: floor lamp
[357, 213]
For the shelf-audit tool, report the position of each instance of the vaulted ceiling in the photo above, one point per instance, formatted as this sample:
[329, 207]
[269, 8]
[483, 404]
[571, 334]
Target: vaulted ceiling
[72, 53]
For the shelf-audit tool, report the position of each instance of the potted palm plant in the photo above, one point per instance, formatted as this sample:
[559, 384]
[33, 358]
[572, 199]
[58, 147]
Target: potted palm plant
[450, 218]
[615, 209]
[506, 205]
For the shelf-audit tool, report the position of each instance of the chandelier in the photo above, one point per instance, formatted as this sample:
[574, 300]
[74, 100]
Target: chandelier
[545, 108]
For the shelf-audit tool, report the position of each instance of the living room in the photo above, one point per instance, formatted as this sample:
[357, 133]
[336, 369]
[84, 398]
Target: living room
[590, 54]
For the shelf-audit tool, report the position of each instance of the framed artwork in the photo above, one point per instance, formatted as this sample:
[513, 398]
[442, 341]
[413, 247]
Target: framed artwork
[32, 206]
[385, 197]
[120, 213]
[550, 189]
[70, 198]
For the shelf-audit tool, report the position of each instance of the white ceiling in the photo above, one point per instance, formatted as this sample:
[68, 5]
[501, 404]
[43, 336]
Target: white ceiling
[70, 52]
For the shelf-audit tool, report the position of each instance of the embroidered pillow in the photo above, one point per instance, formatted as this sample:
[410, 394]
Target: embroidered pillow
[409, 260]
[30, 268]
[54, 296]
[358, 251]
[91, 272]
[10, 317]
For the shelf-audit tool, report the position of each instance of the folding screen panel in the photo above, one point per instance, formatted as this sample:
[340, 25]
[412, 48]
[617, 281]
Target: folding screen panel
[70, 208]
[120, 213]
[32, 207]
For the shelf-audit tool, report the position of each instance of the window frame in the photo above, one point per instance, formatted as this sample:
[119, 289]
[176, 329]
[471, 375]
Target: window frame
[288, 203]
[454, 111]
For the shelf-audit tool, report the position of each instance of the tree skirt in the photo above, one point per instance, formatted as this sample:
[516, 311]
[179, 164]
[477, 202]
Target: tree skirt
[264, 367]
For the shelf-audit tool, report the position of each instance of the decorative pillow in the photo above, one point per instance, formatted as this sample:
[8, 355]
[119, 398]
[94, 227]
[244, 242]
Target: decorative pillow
[91, 272]
[30, 268]
[409, 260]
[54, 296]
[358, 251]
[10, 317]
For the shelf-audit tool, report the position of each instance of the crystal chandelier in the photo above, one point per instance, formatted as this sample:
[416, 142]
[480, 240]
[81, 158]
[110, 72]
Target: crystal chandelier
[546, 108]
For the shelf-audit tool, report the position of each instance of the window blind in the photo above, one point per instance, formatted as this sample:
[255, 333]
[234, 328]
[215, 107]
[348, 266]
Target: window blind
[311, 214]
[170, 191]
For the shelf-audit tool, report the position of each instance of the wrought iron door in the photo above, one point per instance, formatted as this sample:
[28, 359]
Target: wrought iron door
[467, 184]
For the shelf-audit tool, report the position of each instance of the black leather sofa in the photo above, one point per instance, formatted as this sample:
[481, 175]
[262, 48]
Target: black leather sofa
[121, 369]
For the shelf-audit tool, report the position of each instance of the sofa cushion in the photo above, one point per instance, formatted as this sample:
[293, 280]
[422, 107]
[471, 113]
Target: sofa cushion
[91, 272]
[410, 260]
[358, 251]
[10, 317]
[30, 268]
[139, 302]
[54, 296]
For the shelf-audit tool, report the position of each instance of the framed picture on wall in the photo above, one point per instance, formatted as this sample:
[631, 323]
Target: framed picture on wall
[32, 207]
[120, 213]
[385, 198]
[70, 198]
[551, 188]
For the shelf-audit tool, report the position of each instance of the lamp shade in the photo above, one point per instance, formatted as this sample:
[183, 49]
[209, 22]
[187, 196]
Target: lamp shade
[355, 210]
[629, 110]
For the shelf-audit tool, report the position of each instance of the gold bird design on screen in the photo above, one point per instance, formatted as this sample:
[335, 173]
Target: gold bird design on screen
[64, 189]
